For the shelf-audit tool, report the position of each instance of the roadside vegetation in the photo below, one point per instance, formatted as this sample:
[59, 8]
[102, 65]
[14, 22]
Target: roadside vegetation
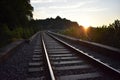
[15, 20]
[108, 35]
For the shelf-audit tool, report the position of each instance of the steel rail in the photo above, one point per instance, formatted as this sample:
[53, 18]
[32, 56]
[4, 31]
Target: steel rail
[48, 61]
[106, 66]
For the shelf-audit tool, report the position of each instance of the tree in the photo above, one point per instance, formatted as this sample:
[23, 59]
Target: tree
[15, 16]
[15, 12]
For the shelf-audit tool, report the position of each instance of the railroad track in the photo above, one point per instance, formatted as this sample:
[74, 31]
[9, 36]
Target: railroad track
[108, 55]
[54, 59]
[48, 58]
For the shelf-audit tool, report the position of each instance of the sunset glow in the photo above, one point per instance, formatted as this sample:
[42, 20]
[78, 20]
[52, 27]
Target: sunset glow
[85, 25]
[86, 29]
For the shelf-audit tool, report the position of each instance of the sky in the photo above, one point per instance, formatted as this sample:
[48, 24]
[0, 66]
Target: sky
[85, 12]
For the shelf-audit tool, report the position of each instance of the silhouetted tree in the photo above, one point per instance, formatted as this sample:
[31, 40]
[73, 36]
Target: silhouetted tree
[57, 23]
[14, 18]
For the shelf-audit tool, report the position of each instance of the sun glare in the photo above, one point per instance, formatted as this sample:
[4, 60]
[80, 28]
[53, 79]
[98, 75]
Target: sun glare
[86, 25]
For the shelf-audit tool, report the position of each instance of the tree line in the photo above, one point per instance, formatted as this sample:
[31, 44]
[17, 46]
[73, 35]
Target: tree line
[108, 35]
[15, 17]
[57, 23]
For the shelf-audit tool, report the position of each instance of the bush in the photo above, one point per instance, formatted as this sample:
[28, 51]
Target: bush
[109, 35]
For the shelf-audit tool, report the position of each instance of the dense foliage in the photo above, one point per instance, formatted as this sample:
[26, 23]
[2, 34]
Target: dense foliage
[53, 24]
[109, 35]
[14, 20]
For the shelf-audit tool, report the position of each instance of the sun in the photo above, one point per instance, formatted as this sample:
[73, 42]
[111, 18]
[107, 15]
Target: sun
[86, 25]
